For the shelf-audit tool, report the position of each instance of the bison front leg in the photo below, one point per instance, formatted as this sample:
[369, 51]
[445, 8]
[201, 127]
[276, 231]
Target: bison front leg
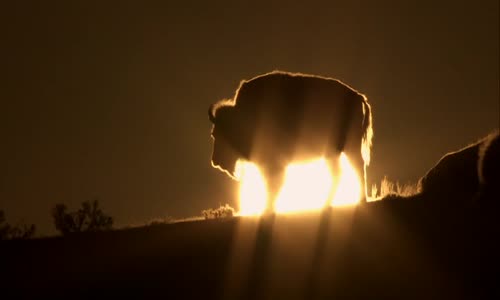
[359, 165]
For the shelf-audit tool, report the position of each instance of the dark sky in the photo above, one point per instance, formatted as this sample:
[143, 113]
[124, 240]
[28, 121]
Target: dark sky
[110, 100]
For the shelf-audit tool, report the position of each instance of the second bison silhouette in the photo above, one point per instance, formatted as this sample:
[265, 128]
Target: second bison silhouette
[281, 117]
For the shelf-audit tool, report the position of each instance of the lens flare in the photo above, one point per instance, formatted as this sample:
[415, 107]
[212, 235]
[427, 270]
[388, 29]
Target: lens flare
[253, 192]
[307, 186]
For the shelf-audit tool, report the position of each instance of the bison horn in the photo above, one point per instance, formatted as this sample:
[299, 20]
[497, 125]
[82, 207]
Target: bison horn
[211, 113]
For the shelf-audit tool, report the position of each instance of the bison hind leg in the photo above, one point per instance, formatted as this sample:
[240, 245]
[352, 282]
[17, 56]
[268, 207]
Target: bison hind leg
[353, 152]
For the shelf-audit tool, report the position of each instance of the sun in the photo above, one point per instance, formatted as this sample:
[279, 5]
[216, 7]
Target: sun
[307, 187]
[349, 187]
[252, 190]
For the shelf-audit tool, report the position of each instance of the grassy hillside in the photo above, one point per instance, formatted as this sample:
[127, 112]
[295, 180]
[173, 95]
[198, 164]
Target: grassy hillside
[397, 247]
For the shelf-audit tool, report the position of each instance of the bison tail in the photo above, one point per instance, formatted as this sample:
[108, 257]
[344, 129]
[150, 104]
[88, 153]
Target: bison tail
[366, 144]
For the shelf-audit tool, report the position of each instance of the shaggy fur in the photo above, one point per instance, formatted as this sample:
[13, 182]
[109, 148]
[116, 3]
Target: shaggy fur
[281, 117]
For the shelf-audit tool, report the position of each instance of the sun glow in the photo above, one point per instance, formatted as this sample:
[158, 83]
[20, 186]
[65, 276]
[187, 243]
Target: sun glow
[349, 188]
[253, 192]
[307, 186]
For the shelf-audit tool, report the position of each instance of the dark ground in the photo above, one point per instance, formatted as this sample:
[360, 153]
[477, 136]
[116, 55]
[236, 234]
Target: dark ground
[394, 248]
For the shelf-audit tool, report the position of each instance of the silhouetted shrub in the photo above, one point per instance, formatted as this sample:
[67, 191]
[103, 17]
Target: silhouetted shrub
[9, 232]
[224, 211]
[4, 226]
[22, 231]
[88, 218]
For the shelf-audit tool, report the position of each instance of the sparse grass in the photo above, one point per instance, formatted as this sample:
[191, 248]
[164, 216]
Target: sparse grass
[189, 219]
[224, 211]
[14, 232]
[160, 221]
[388, 187]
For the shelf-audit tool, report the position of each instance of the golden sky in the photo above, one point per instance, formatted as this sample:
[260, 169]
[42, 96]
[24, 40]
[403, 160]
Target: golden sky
[110, 100]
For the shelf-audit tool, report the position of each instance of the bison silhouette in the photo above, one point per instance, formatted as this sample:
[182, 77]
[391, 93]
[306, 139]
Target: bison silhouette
[280, 117]
[466, 174]
[489, 170]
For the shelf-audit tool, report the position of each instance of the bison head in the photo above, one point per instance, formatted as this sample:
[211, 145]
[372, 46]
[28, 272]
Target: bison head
[226, 135]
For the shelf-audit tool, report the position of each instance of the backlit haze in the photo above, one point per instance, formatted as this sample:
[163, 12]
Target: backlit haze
[108, 100]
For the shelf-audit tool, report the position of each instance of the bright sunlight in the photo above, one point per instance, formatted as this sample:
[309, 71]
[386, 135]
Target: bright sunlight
[349, 188]
[307, 187]
[253, 192]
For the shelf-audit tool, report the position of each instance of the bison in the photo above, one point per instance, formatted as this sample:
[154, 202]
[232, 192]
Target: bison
[460, 175]
[280, 117]
[489, 170]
